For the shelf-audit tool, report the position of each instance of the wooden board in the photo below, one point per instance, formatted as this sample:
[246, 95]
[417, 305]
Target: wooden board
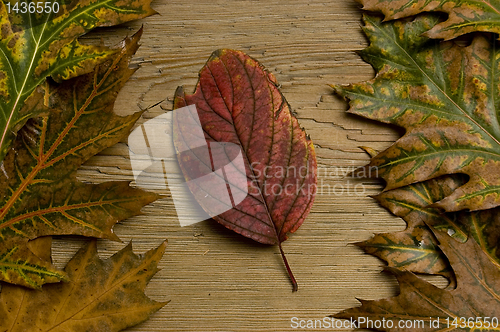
[217, 280]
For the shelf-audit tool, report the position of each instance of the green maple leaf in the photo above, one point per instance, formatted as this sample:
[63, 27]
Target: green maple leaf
[463, 16]
[39, 192]
[35, 47]
[447, 98]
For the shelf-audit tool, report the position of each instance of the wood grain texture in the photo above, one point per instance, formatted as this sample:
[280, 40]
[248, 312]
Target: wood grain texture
[220, 281]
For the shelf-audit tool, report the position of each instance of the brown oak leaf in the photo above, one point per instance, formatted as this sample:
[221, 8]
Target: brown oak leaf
[102, 295]
[414, 249]
[464, 16]
[473, 305]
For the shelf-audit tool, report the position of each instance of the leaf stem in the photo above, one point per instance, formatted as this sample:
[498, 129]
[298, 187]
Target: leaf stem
[290, 274]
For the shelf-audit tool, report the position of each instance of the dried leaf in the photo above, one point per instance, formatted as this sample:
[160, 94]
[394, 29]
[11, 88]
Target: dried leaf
[463, 16]
[102, 295]
[39, 192]
[414, 249]
[446, 97]
[238, 102]
[410, 250]
[39, 46]
[428, 308]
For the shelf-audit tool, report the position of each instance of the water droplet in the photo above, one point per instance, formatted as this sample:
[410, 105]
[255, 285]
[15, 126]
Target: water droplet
[2, 168]
[451, 231]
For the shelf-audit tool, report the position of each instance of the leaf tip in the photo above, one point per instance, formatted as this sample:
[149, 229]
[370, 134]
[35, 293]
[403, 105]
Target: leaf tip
[360, 244]
[163, 303]
[179, 97]
[163, 245]
[113, 237]
[370, 151]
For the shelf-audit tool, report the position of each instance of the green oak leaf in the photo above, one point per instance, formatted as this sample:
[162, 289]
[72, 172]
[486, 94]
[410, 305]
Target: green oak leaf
[447, 98]
[35, 47]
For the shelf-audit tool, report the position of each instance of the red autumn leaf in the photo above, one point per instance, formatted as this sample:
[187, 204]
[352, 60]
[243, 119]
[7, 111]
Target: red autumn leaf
[238, 104]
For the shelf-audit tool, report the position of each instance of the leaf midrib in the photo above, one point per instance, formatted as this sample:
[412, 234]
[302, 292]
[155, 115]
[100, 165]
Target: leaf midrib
[489, 5]
[245, 155]
[43, 157]
[421, 155]
[117, 283]
[28, 73]
[63, 210]
[21, 92]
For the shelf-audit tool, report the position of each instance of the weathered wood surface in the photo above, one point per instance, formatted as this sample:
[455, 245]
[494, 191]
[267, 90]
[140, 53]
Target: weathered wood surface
[217, 280]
